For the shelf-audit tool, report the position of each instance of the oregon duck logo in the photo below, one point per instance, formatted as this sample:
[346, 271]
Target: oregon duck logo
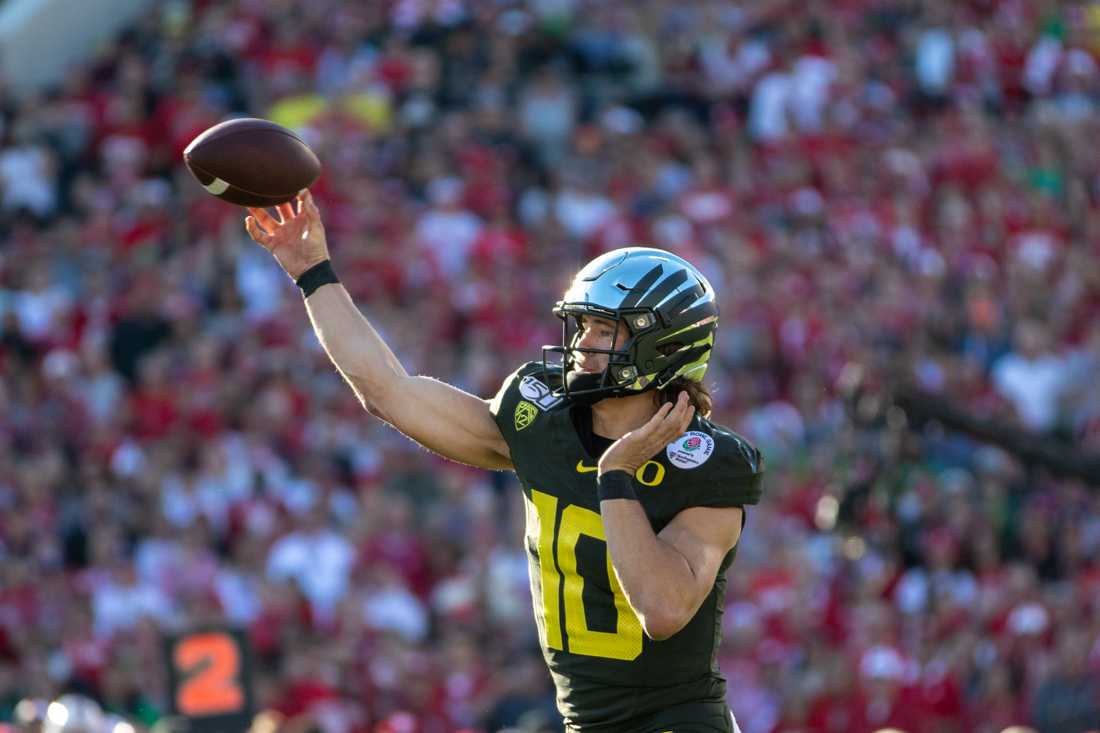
[525, 414]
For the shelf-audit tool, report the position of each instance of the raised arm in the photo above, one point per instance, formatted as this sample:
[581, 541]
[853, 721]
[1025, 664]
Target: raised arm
[442, 418]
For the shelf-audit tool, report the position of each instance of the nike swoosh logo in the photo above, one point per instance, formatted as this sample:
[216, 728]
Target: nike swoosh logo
[581, 468]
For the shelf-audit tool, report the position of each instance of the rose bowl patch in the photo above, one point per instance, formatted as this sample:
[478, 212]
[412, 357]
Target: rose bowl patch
[690, 450]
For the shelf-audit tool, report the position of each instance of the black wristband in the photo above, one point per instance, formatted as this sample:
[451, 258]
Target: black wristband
[316, 276]
[615, 485]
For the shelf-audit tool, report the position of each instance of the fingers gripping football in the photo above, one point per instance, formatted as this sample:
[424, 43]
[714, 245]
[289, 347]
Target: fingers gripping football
[629, 452]
[295, 235]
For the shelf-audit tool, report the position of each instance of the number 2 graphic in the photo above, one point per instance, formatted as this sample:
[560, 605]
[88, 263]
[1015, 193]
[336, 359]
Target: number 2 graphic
[209, 667]
[558, 567]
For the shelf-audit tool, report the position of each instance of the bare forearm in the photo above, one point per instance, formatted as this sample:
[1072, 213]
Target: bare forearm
[351, 341]
[442, 418]
[651, 572]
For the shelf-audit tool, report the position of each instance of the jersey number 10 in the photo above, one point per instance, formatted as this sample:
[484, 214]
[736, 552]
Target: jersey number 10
[558, 561]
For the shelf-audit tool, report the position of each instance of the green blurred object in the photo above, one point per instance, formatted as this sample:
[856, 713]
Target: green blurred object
[1053, 26]
[176, 18]
[1047, 180]
[139, 709]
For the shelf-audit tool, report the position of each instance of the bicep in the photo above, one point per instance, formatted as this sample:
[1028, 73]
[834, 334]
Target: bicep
[704, 535]
[444, 419]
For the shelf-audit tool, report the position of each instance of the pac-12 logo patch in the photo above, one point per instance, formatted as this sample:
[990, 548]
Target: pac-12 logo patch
[690, 450]
[525, 414]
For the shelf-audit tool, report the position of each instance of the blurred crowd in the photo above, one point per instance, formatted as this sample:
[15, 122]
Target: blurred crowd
[882, 192]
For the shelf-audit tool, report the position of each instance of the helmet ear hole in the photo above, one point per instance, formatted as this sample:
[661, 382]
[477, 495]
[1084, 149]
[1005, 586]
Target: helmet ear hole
[669, 349]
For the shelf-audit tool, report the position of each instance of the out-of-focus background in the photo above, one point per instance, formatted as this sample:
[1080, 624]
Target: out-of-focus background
[891, 197]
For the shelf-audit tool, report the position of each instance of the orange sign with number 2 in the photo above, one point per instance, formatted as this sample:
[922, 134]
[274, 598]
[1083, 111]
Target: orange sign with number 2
[210, 667]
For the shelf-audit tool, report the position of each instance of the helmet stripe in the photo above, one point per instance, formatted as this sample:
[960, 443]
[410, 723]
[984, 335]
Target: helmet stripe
[695, 371]
[696, 358]
[663, 289]
[641, 287]
[685, 301]
[688, 335]
[699, 312]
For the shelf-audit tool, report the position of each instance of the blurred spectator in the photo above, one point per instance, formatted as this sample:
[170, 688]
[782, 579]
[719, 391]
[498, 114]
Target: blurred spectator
[1068, 699]
[316, 557]
[884, 192]
[1032, 377]
[28, 173]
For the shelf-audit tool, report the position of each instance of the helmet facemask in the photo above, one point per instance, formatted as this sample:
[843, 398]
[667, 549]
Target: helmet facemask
[621, 371]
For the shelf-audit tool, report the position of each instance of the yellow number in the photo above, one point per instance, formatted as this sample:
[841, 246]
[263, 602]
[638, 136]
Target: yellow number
[546, 508]
[625, 642]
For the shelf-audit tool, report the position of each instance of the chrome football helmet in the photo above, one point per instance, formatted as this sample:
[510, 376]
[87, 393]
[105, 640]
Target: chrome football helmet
[660, 302]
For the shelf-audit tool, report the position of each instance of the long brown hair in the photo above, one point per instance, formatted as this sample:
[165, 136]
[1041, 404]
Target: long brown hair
[698, 393]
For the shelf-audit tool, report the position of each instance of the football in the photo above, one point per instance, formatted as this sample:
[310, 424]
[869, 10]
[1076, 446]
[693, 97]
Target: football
[252, 162]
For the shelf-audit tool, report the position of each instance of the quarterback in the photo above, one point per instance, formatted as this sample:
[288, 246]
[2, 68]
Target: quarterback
[635, 500]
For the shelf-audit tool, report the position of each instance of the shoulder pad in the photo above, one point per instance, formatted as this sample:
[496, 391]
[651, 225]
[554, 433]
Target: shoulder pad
[523, 396]
[727, 468]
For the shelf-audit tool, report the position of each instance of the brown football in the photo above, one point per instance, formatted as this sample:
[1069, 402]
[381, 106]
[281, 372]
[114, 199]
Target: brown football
[252, 162]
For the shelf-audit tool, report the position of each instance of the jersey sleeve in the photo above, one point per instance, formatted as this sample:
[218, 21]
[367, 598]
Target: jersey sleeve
[524, 396]
[735, 475]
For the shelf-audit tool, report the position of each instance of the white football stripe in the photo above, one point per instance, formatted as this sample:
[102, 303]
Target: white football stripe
[217, 187]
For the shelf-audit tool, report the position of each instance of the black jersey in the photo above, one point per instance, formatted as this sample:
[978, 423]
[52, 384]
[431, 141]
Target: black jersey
[607, 672]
